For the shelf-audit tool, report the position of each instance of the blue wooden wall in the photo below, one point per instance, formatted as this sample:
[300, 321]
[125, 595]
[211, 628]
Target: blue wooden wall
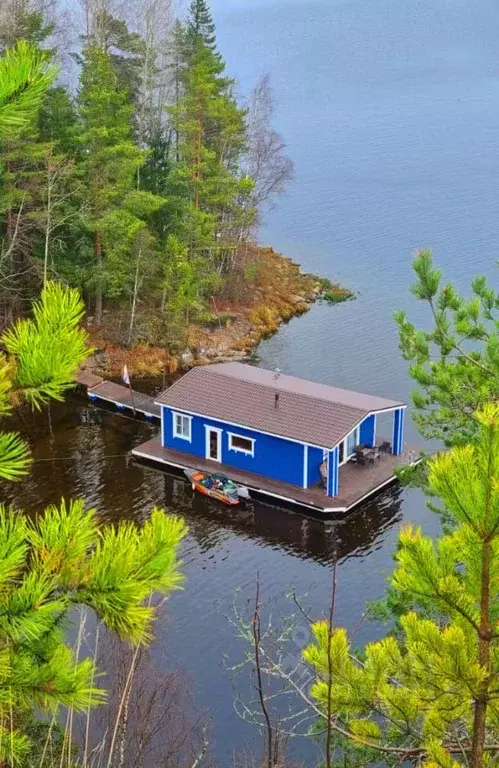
[315, 459]
[368, 430]
[275, 457]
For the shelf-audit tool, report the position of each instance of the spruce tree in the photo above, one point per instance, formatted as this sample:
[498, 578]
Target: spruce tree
[200, 25]
[211, 137]
[110, 158]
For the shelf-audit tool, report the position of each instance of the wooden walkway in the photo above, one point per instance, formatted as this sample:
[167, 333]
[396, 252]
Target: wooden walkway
[121, 398]
[87, 379]
[356, 483]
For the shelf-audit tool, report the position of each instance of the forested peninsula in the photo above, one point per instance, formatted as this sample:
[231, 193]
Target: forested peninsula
[142, 182]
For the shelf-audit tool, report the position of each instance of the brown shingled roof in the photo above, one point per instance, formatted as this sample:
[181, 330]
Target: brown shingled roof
[244, 395]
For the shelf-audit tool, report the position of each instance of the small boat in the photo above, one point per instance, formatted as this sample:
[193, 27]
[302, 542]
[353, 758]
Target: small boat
[217, 486]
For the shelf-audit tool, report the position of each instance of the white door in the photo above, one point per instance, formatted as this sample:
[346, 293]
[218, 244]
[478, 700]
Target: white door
[213, 444]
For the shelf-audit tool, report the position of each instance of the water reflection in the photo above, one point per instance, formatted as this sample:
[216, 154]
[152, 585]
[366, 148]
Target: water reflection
[305, 537]
[86, 454]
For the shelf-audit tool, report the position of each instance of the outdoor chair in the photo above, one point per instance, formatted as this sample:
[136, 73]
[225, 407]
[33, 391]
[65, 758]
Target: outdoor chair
[359, 455]
[385, 447]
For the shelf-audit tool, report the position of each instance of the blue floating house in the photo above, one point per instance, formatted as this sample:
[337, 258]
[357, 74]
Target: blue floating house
[285, 437]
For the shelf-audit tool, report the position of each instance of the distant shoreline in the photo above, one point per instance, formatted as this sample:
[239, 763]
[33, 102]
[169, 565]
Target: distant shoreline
[281, 291]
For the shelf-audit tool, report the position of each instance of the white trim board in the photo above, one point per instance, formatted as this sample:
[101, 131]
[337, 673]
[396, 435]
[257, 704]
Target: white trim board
[274, 434]
[244, 426]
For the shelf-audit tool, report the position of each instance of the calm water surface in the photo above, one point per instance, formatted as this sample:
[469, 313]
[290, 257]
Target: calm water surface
[391, 115]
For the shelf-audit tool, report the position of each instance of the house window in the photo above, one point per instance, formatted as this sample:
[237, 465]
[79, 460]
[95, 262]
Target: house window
[182, 426]
[241, 444]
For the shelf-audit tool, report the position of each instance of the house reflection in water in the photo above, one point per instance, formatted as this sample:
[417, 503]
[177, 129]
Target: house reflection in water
[306, 537]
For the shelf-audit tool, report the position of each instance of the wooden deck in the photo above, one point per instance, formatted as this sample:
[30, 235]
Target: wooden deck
[121, 397]
[356, 482]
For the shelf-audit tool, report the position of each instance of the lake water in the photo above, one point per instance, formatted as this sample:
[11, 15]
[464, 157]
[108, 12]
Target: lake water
[391, 114]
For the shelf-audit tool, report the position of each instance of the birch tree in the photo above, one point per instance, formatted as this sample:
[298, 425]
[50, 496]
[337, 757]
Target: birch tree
[265, 160]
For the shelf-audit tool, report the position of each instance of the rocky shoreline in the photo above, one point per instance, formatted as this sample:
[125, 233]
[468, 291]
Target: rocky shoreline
[281, 291]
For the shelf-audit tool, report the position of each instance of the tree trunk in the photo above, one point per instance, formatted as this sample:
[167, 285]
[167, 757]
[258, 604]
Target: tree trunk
[98, 289]
[48, 225]
[134, 301]
[197, 161]
[9, 224]
[484, 639]
[177, 97]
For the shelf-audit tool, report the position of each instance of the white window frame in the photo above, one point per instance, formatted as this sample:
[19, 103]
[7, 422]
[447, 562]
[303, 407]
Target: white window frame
[176, 433]
[251, 452]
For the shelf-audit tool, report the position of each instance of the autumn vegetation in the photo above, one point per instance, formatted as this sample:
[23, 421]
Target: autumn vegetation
[144, 184]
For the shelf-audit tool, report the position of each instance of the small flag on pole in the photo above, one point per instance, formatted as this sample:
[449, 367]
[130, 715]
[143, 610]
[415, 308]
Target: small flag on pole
[126, 378]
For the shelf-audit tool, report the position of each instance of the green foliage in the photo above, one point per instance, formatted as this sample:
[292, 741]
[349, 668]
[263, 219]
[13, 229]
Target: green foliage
[456, 363]
[62, 559]
[42, 355]
[111, 158]
[58, 121]
[428, 694]
[148, 159]
[24, 79]
[39, 377]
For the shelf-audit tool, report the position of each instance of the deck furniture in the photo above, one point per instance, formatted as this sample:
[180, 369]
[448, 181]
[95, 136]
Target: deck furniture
[372, 455]
[385, 447]
[359, 456]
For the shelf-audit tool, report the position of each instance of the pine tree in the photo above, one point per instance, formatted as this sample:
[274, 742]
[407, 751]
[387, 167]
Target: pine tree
[428, 696]
[24, 79]
[456, 362]
[63, 559]
[124, 48]
[28, 374]
[23, 169]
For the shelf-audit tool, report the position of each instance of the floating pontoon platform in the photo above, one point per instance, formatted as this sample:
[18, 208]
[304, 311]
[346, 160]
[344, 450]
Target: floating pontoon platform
[121, 398]
[357, 483]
